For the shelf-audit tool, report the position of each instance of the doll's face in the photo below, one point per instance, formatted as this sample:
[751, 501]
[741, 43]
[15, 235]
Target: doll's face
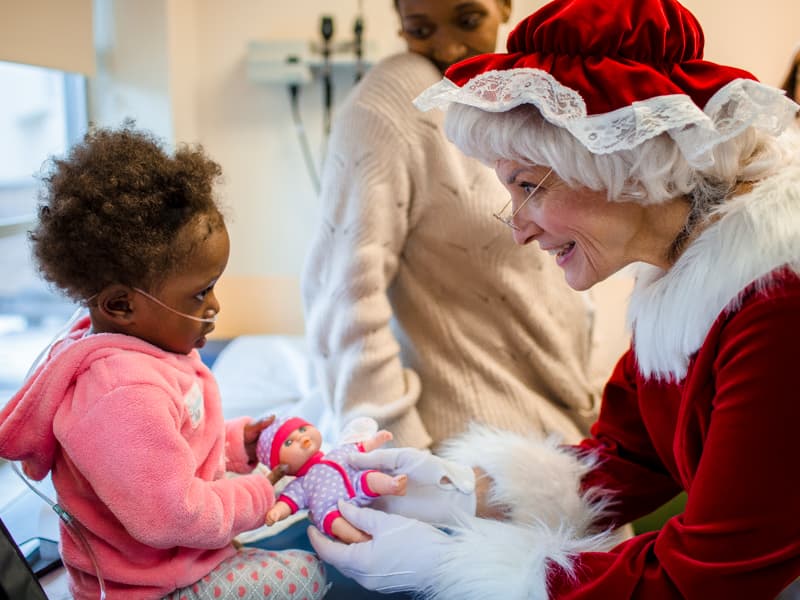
[303, 443]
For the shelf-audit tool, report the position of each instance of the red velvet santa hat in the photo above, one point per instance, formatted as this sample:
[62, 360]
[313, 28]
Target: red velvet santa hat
[268, 448]
[616, 73]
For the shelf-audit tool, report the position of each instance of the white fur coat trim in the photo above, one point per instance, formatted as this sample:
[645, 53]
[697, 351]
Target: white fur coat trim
[535, 477]
[670, 313]
[495, 559]
[551, 519]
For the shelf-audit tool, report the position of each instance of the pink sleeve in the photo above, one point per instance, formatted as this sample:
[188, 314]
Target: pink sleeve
[164, 490]
[236, 459]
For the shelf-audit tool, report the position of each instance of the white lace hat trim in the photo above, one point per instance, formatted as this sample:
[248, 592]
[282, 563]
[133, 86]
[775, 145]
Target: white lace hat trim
[734, 107]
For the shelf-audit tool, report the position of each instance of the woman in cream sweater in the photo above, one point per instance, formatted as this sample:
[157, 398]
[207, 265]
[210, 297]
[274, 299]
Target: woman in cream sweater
[421, 312]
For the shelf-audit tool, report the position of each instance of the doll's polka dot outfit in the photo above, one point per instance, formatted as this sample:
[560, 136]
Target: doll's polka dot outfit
[326, 479]
[322, 481]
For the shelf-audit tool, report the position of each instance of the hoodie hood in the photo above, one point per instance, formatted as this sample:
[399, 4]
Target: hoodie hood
[26, 422]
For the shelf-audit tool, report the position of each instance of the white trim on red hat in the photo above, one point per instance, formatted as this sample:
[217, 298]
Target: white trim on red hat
[740, 104]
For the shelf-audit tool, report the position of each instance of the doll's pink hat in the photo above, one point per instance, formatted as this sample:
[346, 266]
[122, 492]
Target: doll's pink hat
[269, 444]
[616, 73]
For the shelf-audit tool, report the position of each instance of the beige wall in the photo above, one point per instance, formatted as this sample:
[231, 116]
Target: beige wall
[57, 35]
[757, 36]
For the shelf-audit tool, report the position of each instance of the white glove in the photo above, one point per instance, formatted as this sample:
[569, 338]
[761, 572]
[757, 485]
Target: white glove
[438, 489]
[400, 556]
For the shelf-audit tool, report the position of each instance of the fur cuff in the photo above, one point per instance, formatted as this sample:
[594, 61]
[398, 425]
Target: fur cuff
[536, 477]
[493, 559]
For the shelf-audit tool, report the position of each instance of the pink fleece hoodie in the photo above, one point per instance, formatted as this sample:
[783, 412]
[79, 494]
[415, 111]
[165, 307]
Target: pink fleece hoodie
[136, 443]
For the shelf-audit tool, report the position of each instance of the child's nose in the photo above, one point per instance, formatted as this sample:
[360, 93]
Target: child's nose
[305, 443]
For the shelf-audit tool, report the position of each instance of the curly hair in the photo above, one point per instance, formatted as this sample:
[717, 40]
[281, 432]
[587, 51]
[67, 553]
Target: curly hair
[111, 210]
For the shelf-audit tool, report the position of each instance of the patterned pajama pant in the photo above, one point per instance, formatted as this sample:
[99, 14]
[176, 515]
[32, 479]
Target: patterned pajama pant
[257, 573]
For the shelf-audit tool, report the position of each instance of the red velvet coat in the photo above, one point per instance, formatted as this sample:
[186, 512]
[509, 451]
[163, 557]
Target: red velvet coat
[727, 434]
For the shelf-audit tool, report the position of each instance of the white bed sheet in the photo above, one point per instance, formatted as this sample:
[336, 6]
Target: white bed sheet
[259, 375]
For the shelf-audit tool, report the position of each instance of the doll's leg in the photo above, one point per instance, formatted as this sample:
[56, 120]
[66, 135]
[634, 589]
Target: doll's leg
[257, 573]
[377, 483]
[346, 532]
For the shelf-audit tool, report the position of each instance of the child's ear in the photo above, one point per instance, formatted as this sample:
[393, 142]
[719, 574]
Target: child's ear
[115, 303]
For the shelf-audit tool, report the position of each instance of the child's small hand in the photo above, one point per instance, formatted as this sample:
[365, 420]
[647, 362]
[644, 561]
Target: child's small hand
[277, 513]
[251, 433]
[276, 474]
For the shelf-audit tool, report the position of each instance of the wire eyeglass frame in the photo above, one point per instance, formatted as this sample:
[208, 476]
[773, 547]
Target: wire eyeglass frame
[509, 221]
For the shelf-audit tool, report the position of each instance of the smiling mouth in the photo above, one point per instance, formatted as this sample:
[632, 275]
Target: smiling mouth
[561, 250]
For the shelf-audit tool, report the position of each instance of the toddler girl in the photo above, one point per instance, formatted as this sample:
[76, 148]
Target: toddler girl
[123, 413]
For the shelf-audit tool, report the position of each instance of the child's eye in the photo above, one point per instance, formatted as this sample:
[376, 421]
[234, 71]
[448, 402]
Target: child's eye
[302, 429]
[287, 443]
[202, 295]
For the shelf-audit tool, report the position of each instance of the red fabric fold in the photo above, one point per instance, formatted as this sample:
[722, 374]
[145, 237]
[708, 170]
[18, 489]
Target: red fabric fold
[611, 52]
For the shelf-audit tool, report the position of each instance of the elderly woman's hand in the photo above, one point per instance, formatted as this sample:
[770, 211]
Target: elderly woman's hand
[438, 489]
[400, 556]
[485, 508]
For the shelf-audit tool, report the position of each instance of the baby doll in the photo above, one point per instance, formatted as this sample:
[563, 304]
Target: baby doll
[323, 479]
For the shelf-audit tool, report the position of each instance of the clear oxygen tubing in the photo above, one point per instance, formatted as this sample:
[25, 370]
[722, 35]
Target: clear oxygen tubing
[40, 358]
[211, 319]
[73, 525]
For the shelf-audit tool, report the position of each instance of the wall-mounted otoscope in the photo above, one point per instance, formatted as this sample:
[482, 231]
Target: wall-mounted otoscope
[326, 29]
[298, 64]
[358, 43]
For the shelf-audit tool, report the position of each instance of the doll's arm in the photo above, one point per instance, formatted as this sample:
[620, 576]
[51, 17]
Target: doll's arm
[278, 512]
[376, 441]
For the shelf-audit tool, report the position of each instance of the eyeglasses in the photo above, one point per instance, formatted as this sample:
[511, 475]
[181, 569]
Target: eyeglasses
[509, 220]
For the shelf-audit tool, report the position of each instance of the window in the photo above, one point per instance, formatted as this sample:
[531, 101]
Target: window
[41, 115]
[44, 113]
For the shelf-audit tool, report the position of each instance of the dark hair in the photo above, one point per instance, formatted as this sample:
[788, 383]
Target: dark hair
[790, 83]
[111, 210]
[397, 3]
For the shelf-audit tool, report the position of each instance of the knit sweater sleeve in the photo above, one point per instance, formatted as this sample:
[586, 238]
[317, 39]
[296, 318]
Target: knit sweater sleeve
[354, 257]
